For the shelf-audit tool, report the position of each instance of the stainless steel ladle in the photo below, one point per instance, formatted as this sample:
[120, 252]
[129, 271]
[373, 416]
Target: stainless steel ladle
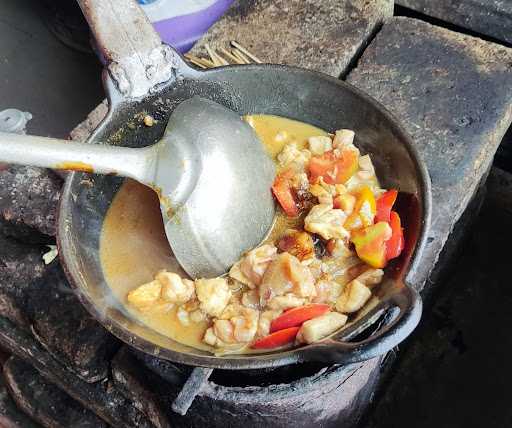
[210, 170]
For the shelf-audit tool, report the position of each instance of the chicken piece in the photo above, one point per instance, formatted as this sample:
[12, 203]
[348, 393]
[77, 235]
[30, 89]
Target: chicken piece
[365, 164]
[320, 327]
[265, 320]
[146, 295]
[197, 316]
[285, 302]
[285, 275]
[251, 267]
[209, 337]
[291, 155]
[339, 248]
[251, 299]
[327, 291]
[298, 244]
[326, 222]
[174, 288]
[354, 296]
[245, 325]
[343, 138]
[231, 310]
[371, 277]
[213, 295]
[324, 192]
[316, 267]
[223, 329]
[183, 316]
[345, 202]
[319, 145]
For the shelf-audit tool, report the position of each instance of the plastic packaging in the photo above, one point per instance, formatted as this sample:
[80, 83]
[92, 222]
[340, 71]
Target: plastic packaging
[14, 121]
[181, 23]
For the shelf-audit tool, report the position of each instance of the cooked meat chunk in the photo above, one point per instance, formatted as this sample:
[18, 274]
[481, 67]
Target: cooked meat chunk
[354, 296]
[326, 222]
[245, 325]
[209, 337]
[251, 299]
[146, 295]
[343, 137]
[250, 269]
[371, 277]
[265, 320]
[197, 316]
[320, 327]
[286, 275]
[224, 331]
[174, 288]
[213, 295]
[291, 155]
[319, 145]
[327, 291]
[285, 302]
[183, 316]
[298, 244]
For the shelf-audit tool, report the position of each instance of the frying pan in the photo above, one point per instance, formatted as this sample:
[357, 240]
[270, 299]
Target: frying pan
[143, 75]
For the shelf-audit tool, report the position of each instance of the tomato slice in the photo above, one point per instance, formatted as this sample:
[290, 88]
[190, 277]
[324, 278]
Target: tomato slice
[334, 170]
[384, 204]
[279, 338]
[282, 190]
[297, 316]
[395, 244]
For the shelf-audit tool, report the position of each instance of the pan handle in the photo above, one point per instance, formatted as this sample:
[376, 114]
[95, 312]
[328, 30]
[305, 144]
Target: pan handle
[407, 301]
[136, 58]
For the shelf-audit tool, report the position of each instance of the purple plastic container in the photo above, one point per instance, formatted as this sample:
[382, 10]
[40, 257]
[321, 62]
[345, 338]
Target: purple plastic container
[181, 23]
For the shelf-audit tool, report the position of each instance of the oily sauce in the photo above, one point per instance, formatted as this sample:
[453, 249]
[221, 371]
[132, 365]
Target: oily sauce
[133, 245]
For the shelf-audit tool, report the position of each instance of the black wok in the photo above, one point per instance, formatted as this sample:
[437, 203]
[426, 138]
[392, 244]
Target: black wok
[142, 75]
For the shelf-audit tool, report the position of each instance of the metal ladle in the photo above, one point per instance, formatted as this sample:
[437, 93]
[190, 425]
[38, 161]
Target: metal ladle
[210, 171]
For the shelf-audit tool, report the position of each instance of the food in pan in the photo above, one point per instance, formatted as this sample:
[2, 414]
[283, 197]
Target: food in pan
[335, 232]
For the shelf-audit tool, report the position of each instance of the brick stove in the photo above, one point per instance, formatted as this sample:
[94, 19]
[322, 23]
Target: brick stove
[66, 370]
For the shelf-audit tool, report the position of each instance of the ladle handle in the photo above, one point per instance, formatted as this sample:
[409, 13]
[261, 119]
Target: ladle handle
[135, 56]
[71, 155]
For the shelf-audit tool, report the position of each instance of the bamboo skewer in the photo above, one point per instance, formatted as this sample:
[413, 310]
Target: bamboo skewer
[244, 51]
[221, 56]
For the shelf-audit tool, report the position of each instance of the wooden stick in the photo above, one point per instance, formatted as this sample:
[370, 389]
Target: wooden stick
[245, 51]
[241, 56]
[217, 60]
[230, 56]
[203, 61]
[193, 60]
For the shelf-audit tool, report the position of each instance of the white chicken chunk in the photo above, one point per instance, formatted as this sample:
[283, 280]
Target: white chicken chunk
[183, 316]
[343, 137]
[209, 337]
[323, 191]
[354, 296]
[327, 291]
[291, 155]
[251, 299]
[213, 295]
[174, 288]
[224, 331]
[285, 302]
[265, 320]
[371, 277]
[286, 275]
[146, 295]
[245, 325]
[365, 164]
[326, 222]
[319, 145]
[251, 267]
[320, 327]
